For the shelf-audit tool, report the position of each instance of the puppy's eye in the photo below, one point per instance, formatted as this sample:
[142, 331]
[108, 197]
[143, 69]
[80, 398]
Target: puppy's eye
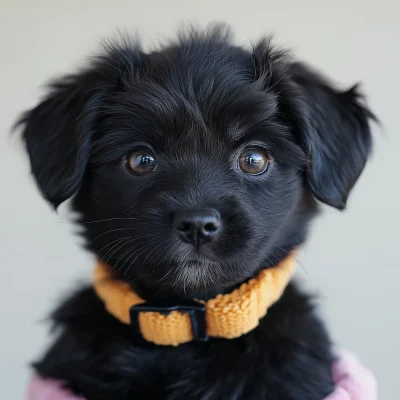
[253, 162]
[142, 162]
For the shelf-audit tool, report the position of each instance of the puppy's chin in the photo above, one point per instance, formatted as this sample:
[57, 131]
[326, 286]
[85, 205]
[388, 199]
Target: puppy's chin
[196, 276]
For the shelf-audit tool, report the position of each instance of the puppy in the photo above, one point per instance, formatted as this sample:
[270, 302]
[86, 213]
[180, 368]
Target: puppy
[193, 169]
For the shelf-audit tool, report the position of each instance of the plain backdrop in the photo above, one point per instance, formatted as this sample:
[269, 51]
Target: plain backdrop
[351, 259]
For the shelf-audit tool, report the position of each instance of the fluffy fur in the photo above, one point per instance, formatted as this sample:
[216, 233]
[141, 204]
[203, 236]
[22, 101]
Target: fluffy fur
[196, 103]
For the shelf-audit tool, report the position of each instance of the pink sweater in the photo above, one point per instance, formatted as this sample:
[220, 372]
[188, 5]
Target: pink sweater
[353, 382]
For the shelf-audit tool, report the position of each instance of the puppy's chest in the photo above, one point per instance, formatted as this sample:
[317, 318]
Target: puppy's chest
[214, 371]
[287, 357]
[243, 369]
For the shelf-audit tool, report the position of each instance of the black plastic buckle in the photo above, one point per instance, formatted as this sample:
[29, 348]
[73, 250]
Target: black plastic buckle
[196, 311]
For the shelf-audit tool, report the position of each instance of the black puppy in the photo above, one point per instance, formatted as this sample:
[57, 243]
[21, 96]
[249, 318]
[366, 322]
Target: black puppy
[192, 169]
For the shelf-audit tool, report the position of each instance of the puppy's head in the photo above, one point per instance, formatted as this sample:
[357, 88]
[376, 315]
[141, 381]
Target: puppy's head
[195, 166]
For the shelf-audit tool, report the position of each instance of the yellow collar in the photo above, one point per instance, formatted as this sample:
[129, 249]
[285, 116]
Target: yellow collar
[225, 316]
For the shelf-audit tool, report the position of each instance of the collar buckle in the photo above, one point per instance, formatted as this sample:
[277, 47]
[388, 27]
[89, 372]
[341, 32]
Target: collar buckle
[195, 310]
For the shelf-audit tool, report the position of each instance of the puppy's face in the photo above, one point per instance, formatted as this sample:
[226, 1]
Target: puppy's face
[194, 167]
[201, 187]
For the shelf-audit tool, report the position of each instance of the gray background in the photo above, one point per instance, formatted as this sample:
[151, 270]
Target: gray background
[351, 258]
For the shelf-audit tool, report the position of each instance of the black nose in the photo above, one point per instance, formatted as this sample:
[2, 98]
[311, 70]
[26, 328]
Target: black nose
[197, 227]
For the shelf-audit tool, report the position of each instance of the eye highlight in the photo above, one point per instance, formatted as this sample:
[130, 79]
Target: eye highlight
[253, 162]
[142, 162]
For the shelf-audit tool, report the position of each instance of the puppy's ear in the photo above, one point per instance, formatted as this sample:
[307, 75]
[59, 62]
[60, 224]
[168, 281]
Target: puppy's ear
[57, 135]
[334, 128]
[58, 132]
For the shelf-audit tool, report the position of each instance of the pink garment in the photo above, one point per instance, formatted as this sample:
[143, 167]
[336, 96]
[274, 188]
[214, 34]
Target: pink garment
[46, 389]
[353, 382]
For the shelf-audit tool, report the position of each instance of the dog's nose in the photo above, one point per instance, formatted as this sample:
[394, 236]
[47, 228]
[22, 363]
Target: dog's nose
[197, 227]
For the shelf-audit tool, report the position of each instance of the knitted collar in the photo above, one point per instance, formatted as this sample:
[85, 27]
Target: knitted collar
[225, 316]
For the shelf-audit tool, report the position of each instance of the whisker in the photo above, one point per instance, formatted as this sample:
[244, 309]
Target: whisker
[297, 260]
[109, 219]
[112, 230]
[116, 250]
[112, 247]
[305, 271]
[140, 249]
[138, 253]
[124, 253]
[300, 244]
[127, 258]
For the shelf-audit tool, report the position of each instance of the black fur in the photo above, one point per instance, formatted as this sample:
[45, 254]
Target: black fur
[197, 104]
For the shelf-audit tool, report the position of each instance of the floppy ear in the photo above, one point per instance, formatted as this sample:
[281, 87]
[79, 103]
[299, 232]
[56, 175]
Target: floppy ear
[58, 132]
[332, 126]
[335, 131]
[57, 135]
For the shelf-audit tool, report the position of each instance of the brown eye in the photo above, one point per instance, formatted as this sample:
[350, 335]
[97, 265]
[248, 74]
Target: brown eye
[253, 162]
[142, 162]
